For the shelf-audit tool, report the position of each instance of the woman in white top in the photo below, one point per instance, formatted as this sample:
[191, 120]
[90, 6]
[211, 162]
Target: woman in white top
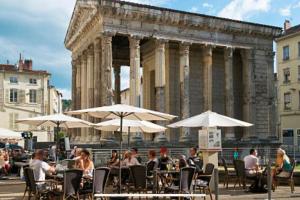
[129, 160]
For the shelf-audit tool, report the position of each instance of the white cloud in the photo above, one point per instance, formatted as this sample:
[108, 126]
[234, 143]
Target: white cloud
[243, 9]
[285, 11]
[194, 9]
[66, 93]
[54, 11]
[297, 5]
[207, 5]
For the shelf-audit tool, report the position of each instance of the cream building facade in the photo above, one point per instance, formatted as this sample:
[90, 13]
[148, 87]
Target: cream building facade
[288, 69]
[191, 63]
[24, 93]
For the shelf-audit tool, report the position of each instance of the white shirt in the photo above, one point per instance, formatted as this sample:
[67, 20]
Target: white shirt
[39, 169]
[133, 161]
[251, 162]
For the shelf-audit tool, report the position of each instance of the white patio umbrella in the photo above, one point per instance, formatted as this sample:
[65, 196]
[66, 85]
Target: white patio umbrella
[123, 111]
[9, 134]
[56, 120]
[210, 119]
[130, 126]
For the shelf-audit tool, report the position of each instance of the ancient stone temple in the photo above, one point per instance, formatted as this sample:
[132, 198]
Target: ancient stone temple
[189, 63]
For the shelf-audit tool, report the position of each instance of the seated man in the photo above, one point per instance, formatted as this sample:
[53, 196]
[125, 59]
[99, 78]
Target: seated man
[194, 160]
[251, 163]
[40, 168]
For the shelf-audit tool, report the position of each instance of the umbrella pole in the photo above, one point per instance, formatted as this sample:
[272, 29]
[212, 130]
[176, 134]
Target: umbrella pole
[120, 170]
[57, 141]
[128, 137]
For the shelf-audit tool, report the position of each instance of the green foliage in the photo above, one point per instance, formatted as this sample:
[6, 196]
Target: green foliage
[66, 104]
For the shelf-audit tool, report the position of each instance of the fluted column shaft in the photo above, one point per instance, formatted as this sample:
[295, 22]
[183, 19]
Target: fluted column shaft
[89, 89]
[229, 103]
[207, 77]
[135, 63]
[185, 85]
[78, 94]
[74, 72]
[248, 91]
[83, 91]
[97, 83]
[117, 71]
[106, 69]
[160, 81]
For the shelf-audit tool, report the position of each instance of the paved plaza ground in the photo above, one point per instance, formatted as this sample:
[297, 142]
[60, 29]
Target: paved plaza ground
[13, 190]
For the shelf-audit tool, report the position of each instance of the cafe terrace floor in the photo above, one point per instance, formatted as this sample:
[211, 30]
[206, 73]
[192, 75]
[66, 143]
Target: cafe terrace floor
[13, 189]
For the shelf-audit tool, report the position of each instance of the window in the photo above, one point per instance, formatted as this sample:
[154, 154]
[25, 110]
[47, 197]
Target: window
[288, 136]
[13, 79]
[32, 96]
[32, 81]
[12, 121]
[299, 73]
[286, 52]
[298, 49]
[286, 75]
[13, 96]
[287, 101]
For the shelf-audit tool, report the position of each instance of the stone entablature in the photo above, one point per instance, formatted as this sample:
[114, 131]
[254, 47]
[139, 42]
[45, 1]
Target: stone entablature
[191, 63]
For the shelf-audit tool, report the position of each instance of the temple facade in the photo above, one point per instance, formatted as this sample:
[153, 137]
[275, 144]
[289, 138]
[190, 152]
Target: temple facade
[189, 63]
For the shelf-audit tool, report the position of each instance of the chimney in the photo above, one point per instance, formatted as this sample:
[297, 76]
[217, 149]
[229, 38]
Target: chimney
[287, 25]
[20, 65]
[28, 65]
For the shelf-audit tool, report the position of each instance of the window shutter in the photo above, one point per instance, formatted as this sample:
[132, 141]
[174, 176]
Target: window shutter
[21, 96]
[39, 96]
[7, 95]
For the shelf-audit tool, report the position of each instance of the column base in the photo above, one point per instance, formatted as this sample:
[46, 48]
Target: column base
[161, 138]
[185, 138]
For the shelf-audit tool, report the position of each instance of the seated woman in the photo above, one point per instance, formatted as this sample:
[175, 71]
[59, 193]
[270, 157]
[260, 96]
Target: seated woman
[152, 163]
[85, 163]
[4, 161]
[283, 165]
[129, 160]
[114, 160]
[164, 159]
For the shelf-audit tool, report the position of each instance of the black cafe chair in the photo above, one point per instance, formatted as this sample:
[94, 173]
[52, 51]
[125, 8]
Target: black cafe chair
[186, 176]
[100, 179]
[139, 178]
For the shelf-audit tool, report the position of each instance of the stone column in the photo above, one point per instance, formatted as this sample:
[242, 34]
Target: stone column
[83, 91]
[160, 81]
[135, 64]
[272, 111]
[207, 77]
[73, 132]
[106, 69]
[249, 110]
[97, 83]
[78, 94]
[229, 103]
[184, 51]
[90, 89]
[117, 71]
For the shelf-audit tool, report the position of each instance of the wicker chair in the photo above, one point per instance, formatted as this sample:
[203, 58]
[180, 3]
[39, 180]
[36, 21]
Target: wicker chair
[186, 177]
[202, 181]
[289, 179]
[100, 178]
[227, 173]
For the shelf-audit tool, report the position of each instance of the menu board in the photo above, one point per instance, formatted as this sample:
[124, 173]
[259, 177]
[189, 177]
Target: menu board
[210, 139]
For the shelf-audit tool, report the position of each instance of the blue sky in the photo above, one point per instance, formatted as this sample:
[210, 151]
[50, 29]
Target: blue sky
[36, 28]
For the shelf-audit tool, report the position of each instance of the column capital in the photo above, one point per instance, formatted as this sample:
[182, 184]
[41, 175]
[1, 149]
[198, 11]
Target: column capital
[84, 56]
[108, 33]
[207, 50]
[184, 48]
[228, 52]
[135, 37]
[134, 42]
[90, 50]
[97, 45]
[161, 41]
